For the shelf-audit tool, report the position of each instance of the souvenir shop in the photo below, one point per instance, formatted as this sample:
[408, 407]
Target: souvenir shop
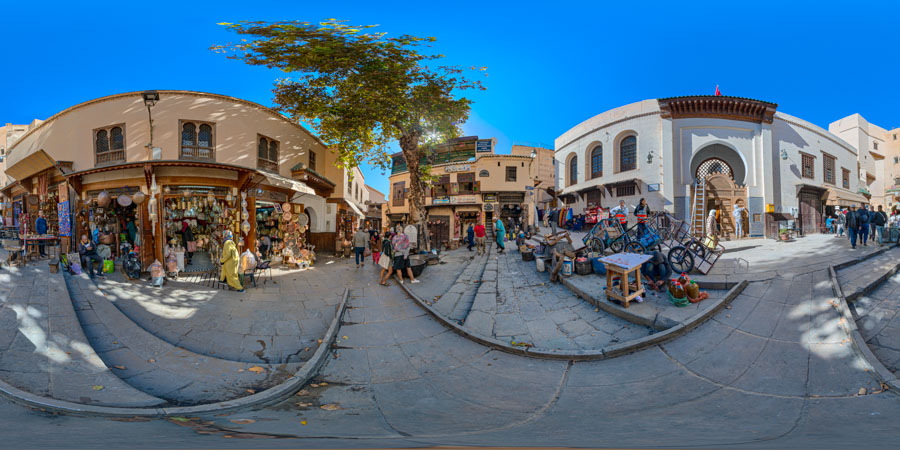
[282, 231]
[43, 194]
[194, 218]
[111, 218]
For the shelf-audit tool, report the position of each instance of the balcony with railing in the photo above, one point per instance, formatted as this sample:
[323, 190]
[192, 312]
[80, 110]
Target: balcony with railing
[265, 164]
[197, 154]
[109, 158]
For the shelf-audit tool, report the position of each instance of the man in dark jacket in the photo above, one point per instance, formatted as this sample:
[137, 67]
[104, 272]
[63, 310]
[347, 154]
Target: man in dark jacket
[852, 225]
[879, 219]
[40, 226]
[470, 237]
[864, 218]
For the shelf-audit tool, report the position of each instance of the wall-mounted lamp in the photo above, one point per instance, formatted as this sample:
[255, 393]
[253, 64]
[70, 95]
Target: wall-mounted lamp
[784, 154]
[533, 153]
[650, 157]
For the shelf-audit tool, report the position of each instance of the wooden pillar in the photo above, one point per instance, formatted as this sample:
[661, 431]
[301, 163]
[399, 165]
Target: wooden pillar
[160, 238]
[251, 236]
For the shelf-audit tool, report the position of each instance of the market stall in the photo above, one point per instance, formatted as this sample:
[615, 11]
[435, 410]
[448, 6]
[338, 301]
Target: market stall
[194, 218]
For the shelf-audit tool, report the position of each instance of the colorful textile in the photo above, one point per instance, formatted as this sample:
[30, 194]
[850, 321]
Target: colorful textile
[65, 224]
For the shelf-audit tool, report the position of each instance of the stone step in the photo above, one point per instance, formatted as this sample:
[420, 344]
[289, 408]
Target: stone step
[456, 302]
[859, 279]
[157, 367]
[47, 352]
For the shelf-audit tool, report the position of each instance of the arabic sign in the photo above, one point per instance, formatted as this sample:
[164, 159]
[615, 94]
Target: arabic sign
[440, 200]
[484, 146]
[460, 168]
[463, 199]
[489, 198]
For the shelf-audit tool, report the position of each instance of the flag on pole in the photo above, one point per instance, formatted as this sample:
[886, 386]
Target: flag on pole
[717, 91]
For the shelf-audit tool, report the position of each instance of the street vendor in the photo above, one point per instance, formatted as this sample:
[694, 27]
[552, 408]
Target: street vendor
[656, 270]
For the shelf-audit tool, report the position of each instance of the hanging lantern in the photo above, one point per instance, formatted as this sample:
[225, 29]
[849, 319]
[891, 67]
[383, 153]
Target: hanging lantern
[138, 198]
[244, 204]
[186, 193]
[210, 197]
[245, 227]
[102, 199]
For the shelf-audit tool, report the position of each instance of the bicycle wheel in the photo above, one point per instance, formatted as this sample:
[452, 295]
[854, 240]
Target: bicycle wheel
[697, 248]
[681, 260]
[635, 247]
[596, 245]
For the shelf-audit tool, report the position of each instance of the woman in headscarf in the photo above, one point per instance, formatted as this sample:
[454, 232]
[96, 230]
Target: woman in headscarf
[500, 232]
[711, 223]
[230, 259]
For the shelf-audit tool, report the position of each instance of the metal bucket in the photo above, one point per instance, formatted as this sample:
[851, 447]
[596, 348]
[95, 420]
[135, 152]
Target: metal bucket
[567, 267]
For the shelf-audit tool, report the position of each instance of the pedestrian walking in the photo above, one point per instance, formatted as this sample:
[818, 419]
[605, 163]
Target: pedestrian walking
[841, 221]
[230, 260]
[375, 246]
[711, 223]
[480, 237]
[360, 245]
[385, 261]
[500, 232]
[879, 219]
[864, 219]
[401, 246]
[470, 236]
[738, 221]
[852, 226]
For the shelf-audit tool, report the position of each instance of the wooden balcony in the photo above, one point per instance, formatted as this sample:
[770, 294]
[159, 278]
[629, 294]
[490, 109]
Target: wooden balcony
[107, 158]
[197, 154]
[265, 164]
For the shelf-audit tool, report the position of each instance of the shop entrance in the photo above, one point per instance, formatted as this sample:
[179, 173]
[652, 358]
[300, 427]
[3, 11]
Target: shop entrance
[195, 218]
[439, 228]
[810, 212]
[268, 224]
[723, 195]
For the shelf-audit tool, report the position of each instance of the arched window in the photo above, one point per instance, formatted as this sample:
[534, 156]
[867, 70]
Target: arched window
[573, 171]
[628, 154]
[197, 141]
[267, 154]
[117, 139]
[109, 144]
[714, 165]
[102, 142]
[597, 162]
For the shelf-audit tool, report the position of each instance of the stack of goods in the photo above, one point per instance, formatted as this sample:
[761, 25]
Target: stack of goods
[684, 291]
[207, 218]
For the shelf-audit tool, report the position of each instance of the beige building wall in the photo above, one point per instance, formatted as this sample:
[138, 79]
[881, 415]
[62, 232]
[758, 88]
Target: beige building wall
[69, 135]
[545, 171]
[869, 141]
[9, 134]
[891, 169]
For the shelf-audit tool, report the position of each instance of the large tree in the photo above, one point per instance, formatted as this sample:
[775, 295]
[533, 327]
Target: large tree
[361, 90]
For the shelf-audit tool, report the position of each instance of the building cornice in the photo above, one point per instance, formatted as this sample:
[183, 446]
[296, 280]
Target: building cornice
[718, 107]
[607, 125]
[837, 141]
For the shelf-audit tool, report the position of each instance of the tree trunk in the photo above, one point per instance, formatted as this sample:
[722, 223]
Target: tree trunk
[409, 144]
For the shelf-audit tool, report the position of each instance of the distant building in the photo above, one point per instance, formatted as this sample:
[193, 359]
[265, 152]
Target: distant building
[375, 208]
[544, 169]
[474, 184]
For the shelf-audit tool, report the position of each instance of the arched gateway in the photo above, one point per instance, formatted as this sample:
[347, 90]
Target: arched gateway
[717, 190]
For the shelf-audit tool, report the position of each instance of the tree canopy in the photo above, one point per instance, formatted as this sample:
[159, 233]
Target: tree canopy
[357, 89]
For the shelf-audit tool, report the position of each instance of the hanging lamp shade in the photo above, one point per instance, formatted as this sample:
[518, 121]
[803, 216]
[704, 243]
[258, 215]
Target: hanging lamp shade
[102, 199]
[138, 198]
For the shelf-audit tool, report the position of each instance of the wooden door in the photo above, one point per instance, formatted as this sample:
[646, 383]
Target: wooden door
[810, 212]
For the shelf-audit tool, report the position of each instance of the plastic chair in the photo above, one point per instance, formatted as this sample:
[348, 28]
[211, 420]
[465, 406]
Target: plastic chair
[263, 267]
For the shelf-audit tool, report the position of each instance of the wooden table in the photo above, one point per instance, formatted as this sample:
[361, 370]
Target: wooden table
[624, 264]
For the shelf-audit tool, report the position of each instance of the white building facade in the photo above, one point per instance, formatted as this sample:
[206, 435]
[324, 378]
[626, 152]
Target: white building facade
[743, 151]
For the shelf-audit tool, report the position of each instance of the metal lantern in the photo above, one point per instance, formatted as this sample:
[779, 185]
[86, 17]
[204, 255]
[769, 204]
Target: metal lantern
[186, 193]
[210, 197]
[245, 227]
[138, 198]
[102, 199]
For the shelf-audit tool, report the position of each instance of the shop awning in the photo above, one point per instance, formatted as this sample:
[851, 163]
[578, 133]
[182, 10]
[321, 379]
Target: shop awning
[355, 209]
[30, 165]
[287, 183]
[844, 198]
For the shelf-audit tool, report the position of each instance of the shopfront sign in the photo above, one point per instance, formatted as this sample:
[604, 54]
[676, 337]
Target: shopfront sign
[440, 201]
[489, 198]
[463, 199]
[262, 194]
[484, 146]
[459, 168]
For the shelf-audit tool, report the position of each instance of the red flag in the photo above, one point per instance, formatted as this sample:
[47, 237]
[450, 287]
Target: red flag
[717, 90]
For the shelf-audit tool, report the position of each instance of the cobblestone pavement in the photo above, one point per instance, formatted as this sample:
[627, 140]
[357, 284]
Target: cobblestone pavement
[279, 321]
[877, 312]
[498, 295]
[775, 370]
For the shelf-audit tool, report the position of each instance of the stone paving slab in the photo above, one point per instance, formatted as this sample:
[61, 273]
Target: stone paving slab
[515, 303]
[157, 367]
[43, 349]
[277, 322]
[877, 313]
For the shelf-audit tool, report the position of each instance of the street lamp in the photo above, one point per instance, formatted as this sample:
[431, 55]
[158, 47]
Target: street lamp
[533, 153]
[784, 154]
[150, 99]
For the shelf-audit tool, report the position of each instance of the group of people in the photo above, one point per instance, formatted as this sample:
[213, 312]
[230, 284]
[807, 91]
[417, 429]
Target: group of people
[860, 223]
[475, 237]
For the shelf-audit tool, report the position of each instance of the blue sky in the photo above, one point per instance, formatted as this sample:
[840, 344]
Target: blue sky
[551, 65]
